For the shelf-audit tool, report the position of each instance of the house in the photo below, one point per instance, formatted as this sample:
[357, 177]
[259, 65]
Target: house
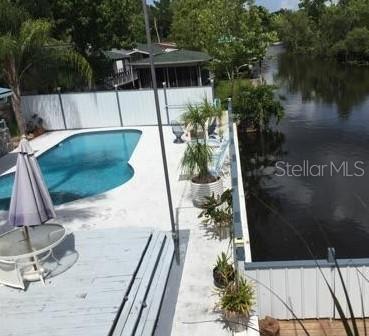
[176, 67]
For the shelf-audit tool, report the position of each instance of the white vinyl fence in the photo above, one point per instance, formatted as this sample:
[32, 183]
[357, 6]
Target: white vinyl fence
[101, 109]
[305, 291]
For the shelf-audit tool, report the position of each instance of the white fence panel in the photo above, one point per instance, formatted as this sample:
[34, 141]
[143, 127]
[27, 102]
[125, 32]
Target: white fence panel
[325, 305]
[309, 292]
[305, 291]
[179, 98]
[138, 107]
[100, 109]
[45, 106]
[92, 109]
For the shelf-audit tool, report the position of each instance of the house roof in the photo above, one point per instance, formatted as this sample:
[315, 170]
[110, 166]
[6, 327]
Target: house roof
[5, 92]
[116, 54]
[144, 48]
[175, 57]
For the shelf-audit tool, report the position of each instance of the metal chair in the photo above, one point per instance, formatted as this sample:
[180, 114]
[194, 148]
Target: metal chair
[178, 131]
[10, 274]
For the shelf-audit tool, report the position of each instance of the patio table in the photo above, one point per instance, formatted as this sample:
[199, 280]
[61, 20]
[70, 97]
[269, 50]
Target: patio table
[27, 253]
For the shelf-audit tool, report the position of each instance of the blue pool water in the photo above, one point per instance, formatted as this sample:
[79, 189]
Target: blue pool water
[82, 165]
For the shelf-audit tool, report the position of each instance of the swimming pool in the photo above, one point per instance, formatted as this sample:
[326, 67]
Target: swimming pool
[82, 165]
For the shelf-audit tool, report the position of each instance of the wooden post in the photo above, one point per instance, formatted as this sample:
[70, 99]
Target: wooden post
[166, 101]
[199, 75]
[167, 75]
[175, 74]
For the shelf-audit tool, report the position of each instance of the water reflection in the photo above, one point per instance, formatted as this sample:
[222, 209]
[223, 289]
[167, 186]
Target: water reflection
[326, 121]
[324, 81]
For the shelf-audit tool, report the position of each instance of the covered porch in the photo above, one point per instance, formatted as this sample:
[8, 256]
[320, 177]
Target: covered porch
[179, 68]
[185, 76]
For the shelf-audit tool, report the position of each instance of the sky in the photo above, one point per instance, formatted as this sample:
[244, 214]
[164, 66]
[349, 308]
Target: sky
[274, 5]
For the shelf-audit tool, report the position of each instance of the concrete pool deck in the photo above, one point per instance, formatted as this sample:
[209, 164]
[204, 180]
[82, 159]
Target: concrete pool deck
[141, 203]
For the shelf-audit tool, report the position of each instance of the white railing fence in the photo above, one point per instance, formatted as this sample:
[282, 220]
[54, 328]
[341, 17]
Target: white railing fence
[305, 291]
[101, 109]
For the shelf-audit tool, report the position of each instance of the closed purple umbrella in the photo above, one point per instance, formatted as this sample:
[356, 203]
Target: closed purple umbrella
[31, 202]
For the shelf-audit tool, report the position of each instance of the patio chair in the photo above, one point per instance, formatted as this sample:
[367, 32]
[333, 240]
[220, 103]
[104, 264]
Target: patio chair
[178, 131]
[10, 274]
[212, 129]
[218, 159]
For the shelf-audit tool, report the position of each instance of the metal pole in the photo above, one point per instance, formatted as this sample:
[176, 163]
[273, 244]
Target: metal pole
[160, 126]
[118, 103]
[166, 101]
[61, 107]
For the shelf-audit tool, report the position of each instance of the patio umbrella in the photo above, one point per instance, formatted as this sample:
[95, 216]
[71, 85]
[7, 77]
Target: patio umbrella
[30, 203]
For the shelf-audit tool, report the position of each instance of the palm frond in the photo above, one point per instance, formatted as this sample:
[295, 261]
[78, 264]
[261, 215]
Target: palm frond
[341, 313]
[71, 57]
[196, 159]
[362, 303]
[34, 34]
[353, 320]
[8, 46]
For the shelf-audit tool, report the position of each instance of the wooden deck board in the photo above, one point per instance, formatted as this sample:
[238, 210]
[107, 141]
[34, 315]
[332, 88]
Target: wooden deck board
[321, 327]
[151, 252]
[154, 298]
[83, 300]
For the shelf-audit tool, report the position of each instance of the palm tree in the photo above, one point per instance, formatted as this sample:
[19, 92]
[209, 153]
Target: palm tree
[197, 155]
[26, 43]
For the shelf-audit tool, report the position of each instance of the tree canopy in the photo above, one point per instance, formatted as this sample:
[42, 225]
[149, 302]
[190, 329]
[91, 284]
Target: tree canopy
[328, 28]
[162, 16]
[232, 32]
[27, 44]
[91, 25]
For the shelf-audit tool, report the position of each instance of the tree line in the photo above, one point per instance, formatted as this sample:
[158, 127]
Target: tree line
[338, 29]
[48, 44]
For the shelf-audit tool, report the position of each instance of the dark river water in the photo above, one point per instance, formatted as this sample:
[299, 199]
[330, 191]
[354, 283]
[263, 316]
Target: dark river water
[325, 135]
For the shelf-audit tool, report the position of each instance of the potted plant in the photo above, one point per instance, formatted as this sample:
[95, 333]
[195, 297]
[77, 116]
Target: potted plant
[35, 126]
[223, 271]
[236, 301]
[218, 210]
[198, 154]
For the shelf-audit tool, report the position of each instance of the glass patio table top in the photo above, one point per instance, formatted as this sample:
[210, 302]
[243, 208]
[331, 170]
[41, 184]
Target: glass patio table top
[15, 246]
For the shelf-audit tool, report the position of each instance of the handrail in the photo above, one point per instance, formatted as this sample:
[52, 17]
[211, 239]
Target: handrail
[241, 243]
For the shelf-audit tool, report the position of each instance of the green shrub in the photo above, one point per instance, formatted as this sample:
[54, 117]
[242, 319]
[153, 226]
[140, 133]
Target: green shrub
[257, 106]
[238, 297]
[218, 210]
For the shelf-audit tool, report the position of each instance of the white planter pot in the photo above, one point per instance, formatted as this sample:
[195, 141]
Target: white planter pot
[200, 191]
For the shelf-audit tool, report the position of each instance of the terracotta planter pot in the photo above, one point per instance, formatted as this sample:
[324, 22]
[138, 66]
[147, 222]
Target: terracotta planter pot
[38, 131]
[236, 322]
[200, 191]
